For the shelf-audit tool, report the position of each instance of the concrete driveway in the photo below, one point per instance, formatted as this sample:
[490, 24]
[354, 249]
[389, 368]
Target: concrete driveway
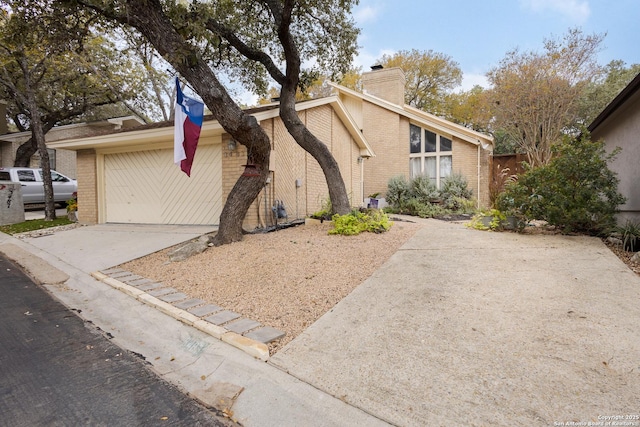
[97, 247]
[463, 327]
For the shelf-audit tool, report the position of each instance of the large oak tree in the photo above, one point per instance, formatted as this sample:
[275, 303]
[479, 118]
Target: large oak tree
[250, 42]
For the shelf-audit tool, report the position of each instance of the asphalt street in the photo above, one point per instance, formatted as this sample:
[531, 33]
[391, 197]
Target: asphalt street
[58, 370]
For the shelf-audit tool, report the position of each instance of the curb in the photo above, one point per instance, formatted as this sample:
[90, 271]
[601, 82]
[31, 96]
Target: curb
[255, 348]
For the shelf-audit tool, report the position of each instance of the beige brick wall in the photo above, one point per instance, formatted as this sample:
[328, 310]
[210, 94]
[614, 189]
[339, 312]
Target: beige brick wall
[465, 162]
[388, 134]
[87, 187]
[387, 84]
[291, 163]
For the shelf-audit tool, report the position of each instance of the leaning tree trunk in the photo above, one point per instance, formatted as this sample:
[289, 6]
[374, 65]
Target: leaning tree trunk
[27, 149]
[147, 16]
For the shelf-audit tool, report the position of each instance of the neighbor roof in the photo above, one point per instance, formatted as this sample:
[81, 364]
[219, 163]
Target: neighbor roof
[617, 102]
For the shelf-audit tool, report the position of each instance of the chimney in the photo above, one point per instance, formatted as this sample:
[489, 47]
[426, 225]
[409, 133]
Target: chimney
[3, 118]
[385, 83]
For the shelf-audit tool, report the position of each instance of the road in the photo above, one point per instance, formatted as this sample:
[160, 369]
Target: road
[58, 370]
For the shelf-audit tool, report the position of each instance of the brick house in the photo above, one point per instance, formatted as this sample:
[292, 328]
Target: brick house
[619, 126]
[129, 176]
[63, 161]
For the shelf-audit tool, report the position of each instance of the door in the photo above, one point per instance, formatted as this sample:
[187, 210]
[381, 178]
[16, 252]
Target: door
[145, 187]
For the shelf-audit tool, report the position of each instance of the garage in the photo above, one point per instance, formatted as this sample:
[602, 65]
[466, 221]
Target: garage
[145, 187]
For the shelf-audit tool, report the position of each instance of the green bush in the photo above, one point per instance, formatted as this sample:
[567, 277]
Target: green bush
[630, 234]
[455, 193]
[575, 191]
[423, 189]
[398, 191]
[356, 222]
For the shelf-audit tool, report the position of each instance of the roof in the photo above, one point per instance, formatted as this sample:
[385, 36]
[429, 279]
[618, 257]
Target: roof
[150, 133]
[617, 102]
[423, 118]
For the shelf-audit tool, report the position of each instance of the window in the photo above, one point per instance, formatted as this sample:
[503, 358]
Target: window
[429, 154]
[26, 176]
[52, 158]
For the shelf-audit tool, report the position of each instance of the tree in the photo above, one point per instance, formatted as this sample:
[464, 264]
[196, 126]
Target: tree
[67, 65]
[536, 96]
[430, 77]
[48, 70]
[575, 191]
[469, 108]
[249, 40]
[599, 94]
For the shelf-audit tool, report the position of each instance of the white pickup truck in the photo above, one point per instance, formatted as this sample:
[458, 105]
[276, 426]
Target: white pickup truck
[64, 188]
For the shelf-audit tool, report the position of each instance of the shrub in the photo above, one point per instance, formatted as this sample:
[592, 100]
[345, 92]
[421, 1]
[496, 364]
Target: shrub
[398, 191]
[575, 191]
[423, 189]
[455, 193]
[630, 234]
[356, 222]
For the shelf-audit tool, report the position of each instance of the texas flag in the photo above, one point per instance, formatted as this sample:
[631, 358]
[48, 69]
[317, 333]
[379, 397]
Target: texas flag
[188, 115]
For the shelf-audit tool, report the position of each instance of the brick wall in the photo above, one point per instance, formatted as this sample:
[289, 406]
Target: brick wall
[388, 134]
[87, 187]
[387, 84]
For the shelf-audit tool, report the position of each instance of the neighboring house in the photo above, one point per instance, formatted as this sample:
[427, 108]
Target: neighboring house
[129, 176]
[619, 126]
[63, 161]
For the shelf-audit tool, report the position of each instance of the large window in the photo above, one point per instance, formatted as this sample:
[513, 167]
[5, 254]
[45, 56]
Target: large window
[429, 154]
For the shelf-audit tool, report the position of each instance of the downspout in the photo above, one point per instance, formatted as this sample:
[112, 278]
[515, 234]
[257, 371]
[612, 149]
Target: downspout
[479, 148]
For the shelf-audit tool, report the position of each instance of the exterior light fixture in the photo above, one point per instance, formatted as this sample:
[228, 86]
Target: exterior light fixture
[231, 145]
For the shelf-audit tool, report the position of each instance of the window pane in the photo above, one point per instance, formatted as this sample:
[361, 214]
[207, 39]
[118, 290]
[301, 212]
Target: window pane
[430, 142]
[445, 166]
[26, 176]
[445, 144]
[414, 139]
[430, 168]
[415, 168]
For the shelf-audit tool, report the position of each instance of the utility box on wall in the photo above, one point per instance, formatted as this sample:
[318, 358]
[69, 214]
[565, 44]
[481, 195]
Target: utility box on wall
[11, 205]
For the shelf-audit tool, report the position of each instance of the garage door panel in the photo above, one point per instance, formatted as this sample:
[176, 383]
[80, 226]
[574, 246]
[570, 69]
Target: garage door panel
[146, 187]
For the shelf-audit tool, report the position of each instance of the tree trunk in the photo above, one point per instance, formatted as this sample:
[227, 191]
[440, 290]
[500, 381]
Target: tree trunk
[147, 16]
[337, 191]
[37, 134]
[27, 149]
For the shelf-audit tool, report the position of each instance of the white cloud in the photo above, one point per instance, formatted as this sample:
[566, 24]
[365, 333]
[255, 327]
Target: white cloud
[469, 80]
[575, 10]
[364, 14]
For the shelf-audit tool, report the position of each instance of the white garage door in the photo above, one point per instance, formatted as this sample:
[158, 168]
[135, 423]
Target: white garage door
[145, 187]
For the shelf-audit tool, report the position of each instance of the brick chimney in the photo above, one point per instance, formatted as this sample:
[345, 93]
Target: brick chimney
[3, 117]
[385, 83]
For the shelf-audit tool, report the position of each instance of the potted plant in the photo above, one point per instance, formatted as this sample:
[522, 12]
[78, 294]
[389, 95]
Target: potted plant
[72, 210]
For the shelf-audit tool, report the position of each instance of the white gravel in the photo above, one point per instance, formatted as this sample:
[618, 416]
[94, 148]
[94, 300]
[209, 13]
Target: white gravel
[285, 279]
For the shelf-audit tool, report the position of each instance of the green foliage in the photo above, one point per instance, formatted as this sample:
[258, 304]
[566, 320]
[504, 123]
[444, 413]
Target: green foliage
[72, 205]
[356, 222]
[575, 191]
[488, 220]
[630, 236]
[455, 193]
[326, 210]
[32, 225]
[398, 191]
[423, 189]
[420, 197]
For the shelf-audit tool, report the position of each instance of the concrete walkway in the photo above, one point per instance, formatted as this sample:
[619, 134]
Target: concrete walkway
[459, 327]
[471, 328]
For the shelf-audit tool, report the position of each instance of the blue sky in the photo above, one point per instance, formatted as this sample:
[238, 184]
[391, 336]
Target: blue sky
[477, 34]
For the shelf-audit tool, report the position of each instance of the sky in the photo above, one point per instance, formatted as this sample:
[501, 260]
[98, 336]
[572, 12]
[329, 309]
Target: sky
[477, 34]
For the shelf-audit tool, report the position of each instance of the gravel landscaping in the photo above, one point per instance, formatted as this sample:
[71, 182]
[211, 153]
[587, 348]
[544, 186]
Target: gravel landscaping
[285, 279]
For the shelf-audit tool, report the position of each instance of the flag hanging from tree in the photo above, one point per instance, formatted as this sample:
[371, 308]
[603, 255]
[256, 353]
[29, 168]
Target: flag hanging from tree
[188, 122]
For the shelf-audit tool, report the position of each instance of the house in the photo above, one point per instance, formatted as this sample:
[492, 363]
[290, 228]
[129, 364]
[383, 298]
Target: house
[619, 126]
[63, 161]
[129, 176]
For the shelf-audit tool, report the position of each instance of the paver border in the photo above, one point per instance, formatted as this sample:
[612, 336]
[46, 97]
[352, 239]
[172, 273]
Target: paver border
[255, 348]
